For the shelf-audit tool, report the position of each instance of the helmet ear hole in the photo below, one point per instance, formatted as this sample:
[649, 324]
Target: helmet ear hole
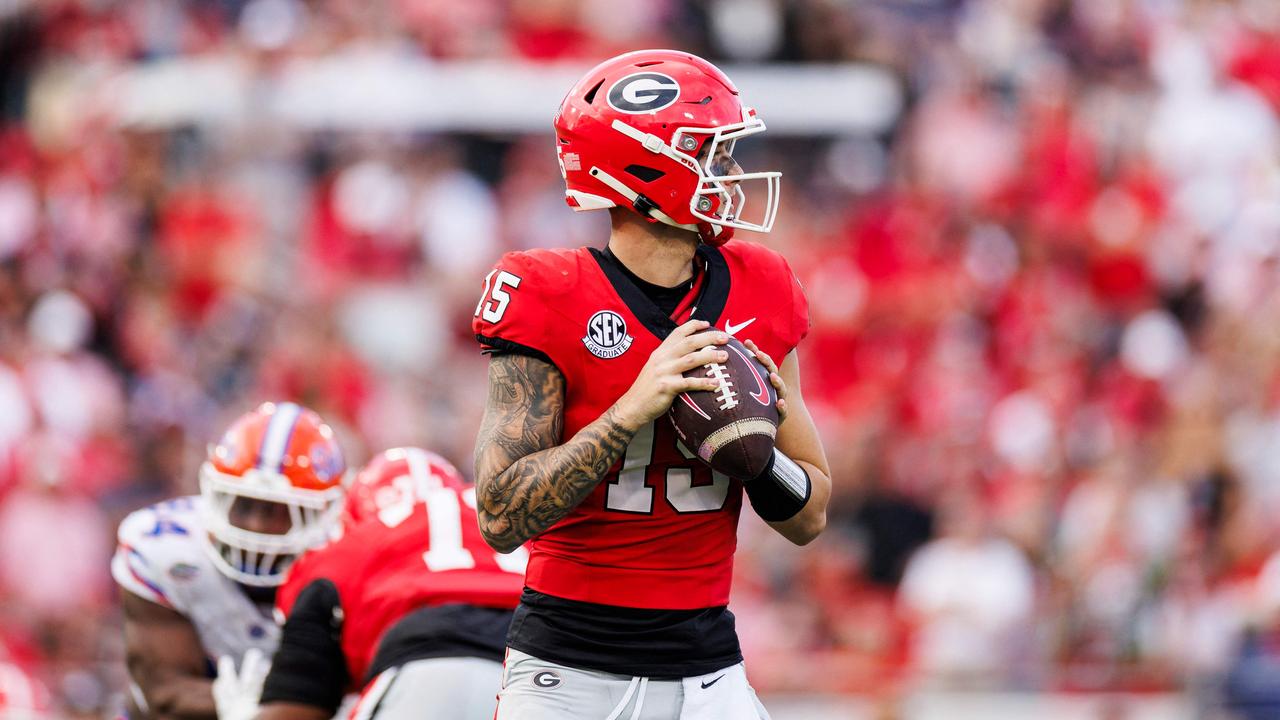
[644, 173]
[591, 94]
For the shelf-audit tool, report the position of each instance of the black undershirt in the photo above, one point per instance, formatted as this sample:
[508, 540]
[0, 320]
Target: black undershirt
[310, 667]
[627, 641]
[666, 298]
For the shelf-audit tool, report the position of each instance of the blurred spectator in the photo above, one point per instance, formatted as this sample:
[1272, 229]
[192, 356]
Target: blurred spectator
[53, 540]
[969, 595]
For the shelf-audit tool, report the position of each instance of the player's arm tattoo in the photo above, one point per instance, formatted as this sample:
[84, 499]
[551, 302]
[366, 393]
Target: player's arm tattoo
[525, 480]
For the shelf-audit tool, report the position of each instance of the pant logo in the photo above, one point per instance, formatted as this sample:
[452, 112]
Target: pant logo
[547, 679]
[706, 685]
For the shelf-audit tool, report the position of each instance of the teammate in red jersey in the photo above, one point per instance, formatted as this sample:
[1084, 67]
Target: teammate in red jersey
[631, 539]
[410, 605]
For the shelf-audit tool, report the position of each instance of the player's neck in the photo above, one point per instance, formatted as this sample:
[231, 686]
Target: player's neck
[656, 253]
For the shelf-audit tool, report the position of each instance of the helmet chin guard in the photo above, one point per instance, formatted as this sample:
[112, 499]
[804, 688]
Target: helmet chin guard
[645, 131]
[278, 453]
[259, 559]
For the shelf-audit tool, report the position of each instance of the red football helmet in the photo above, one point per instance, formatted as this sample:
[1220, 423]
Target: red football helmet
[394, 481]
[642, 131]
[280, 454]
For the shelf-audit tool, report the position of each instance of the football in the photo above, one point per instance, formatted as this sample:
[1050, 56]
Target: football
[733, 428]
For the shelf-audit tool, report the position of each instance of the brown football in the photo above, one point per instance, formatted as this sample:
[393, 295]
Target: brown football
[732, 429]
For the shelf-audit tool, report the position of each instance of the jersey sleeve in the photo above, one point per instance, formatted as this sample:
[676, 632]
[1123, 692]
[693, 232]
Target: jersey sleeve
[511, 316]
[144, 552]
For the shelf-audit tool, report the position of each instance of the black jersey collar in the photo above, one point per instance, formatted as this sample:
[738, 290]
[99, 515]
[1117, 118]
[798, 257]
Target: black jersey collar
[710, 303]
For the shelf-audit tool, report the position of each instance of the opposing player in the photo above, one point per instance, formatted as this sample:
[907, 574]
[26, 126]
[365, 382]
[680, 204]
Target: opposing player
[410, 605]
[198, 574]
[631, 540]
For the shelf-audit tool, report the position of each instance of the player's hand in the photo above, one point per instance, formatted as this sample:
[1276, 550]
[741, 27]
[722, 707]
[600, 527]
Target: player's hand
[236, 694]
[774, 378]
[662, 378]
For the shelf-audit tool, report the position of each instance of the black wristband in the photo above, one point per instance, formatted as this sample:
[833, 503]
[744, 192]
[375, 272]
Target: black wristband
[781, 491]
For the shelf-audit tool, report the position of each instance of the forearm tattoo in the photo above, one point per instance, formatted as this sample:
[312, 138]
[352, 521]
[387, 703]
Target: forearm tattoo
[525, 480]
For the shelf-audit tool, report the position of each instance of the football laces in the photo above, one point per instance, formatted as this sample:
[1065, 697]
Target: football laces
[726, 396]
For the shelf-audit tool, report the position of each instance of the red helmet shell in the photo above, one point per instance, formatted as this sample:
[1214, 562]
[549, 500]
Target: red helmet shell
[395, 481]
[616, 127]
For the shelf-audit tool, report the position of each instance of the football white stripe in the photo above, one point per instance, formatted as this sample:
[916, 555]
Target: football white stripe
[735, 430]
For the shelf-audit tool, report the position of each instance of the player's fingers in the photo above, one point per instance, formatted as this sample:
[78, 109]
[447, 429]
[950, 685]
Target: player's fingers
[782, 410]
[763, 357]
[778, 384]
[703, 339]
[251, 666]
[705, 356]
[690, 328]
[226, 667]
[692, 384]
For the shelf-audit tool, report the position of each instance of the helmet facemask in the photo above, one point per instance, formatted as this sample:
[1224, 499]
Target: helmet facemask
[260, 559]
[718, 200]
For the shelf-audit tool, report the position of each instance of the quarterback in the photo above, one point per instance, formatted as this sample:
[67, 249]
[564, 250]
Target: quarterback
[198, 574]
[631, 538]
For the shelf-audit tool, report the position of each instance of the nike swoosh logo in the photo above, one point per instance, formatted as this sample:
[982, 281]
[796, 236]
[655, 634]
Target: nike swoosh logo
[735, 329]
[706, 685]
[761, 395]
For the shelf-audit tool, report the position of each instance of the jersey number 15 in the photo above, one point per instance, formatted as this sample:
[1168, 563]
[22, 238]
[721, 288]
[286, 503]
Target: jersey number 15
[495, 298]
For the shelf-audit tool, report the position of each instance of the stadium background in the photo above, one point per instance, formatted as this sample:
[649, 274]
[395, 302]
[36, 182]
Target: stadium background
[1040, 240]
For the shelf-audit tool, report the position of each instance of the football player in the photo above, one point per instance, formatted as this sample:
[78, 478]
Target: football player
[198, 574]
[410, 607]
[631, 539]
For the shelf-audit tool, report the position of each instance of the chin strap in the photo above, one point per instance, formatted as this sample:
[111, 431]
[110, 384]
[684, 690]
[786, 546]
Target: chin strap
[642, 204]
[714, 235]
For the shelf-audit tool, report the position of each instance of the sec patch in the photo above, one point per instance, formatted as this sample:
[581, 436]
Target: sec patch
[607, 336]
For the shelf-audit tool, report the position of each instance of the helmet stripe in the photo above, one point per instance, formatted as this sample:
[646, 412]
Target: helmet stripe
[276, 439]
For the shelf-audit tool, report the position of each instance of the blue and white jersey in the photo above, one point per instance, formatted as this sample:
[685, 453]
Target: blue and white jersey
[161, 557]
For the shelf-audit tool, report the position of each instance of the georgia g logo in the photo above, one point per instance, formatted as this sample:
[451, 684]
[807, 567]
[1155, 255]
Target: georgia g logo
[546, 679]
[643, 93]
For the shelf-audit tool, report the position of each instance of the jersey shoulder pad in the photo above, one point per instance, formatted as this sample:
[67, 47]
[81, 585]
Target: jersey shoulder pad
[555, 270]
[521, 300]
[158, 546]
[763, 262]
[767, 268]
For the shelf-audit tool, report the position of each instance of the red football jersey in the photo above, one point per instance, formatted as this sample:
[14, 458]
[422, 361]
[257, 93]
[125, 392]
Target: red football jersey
[394, 563]
[660, 530]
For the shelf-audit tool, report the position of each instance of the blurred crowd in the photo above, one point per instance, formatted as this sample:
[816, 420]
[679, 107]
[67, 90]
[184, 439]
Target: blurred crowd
[1045, 353]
